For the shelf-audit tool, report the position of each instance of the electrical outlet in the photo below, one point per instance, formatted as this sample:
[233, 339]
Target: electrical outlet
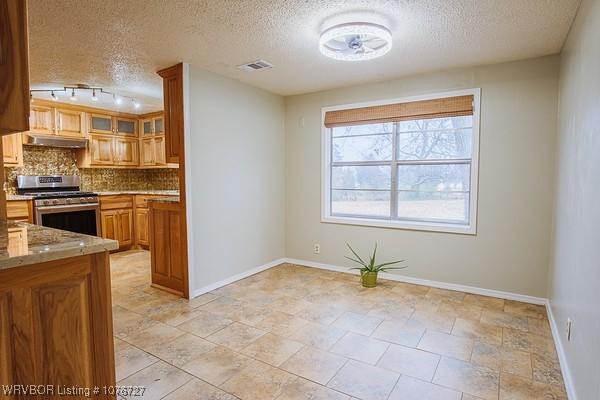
[317, 248]
[569, 327]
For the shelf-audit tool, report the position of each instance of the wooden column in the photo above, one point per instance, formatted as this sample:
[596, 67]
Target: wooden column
[14, 67]
[175, 153]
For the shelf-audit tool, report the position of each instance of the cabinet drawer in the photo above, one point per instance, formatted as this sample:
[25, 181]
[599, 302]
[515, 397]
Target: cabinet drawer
[18, 209]
[115, 202]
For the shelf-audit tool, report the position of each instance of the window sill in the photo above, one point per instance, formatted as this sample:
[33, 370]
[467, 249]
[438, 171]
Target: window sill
[406, 225]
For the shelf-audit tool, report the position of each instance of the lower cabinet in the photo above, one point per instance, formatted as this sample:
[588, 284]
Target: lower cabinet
[116, 217]
[125, 218]
[56, 324]
[142, 238]
[118, 225]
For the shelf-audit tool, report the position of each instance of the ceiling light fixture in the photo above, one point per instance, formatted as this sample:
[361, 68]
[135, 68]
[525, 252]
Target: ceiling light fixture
[355, 41]
[97, 92]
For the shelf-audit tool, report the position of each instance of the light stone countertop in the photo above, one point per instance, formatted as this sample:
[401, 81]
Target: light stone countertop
[16, 197]
[24, 244]
[142, 192]
[172, 199]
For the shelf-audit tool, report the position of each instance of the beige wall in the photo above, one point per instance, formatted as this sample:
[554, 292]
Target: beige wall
[517, 145]
[575, 272]
[236, 177]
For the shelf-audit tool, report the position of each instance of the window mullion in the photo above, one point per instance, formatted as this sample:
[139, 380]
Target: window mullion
[394, 173]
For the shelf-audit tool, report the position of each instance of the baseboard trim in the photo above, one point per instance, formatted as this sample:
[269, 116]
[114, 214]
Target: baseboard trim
[237, 277]
[426, 282]
[560, 350]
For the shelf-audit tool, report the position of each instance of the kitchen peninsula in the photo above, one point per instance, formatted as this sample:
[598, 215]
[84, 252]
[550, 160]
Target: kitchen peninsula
[55, 307]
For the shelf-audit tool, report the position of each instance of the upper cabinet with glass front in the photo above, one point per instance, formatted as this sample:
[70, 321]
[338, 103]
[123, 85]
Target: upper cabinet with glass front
[126, 126]
[101, 123]
[152, 125]
[108, 124]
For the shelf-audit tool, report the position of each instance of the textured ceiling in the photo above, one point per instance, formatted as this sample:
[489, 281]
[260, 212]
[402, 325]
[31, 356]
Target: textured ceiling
[121, 43]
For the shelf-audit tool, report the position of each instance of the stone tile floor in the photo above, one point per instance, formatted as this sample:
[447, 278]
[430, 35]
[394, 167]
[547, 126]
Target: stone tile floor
[297, 333]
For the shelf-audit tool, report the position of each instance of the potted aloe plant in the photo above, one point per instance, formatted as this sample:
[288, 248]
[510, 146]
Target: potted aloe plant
[369, 270]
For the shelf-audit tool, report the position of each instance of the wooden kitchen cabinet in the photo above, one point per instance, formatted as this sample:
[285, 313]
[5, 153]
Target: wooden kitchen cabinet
[152, 151]
[173, 111]
[12, 150]
[127, 152]
[142, 219]
[118, 225]
[101, 150]
[70, 123]
[147, 152]
[42, 120]
[56, 323]
[116, 217]
[142, 238]
[126, 126]
[160, 157]
[101, 123]
[47, 120]
[20, 210]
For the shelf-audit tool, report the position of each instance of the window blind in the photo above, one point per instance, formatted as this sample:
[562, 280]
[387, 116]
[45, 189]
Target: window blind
[424, 109]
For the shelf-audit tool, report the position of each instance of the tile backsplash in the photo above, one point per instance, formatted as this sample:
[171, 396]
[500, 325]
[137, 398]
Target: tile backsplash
[57, 161]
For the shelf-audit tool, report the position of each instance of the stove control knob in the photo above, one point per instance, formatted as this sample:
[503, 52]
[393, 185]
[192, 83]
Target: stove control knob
[68, 201]
[55, 202]
[46, 202]
[90, 199]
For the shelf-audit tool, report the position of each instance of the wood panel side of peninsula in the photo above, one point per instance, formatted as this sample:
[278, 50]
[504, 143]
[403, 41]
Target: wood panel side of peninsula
[56, 323]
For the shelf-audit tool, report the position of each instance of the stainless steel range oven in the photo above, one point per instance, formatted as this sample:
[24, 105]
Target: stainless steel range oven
[59, 203]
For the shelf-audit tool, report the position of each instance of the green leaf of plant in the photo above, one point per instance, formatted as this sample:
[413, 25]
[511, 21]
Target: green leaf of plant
[356, 255]
[391, 263]
[356, 261]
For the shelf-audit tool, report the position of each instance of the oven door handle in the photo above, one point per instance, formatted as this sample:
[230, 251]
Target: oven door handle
[67, 207]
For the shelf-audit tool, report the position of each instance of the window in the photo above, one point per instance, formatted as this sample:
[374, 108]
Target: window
[410, 164]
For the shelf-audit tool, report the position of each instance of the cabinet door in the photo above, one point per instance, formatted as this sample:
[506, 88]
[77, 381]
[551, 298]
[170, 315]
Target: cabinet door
[141, 227]
[108, 221]
[70, 123]
[100, 123]
[159, 125]
[159, 150]
[127, 151]
[147, 157]
[173, 111]
[125, 227]
[42, 120]
[12, 149]
[147, 127]
[168, 262]
[102, 150]
[126, 126]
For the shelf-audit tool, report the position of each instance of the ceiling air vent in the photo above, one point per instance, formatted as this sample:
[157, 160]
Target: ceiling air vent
[255, 65]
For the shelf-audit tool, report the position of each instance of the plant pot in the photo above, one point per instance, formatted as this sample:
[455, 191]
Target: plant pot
[369, 279]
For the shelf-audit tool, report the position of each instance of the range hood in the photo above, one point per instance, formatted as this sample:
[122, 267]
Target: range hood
[54, 141]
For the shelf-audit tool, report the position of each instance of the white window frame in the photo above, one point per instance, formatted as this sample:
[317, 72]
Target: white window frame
[326, 217]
